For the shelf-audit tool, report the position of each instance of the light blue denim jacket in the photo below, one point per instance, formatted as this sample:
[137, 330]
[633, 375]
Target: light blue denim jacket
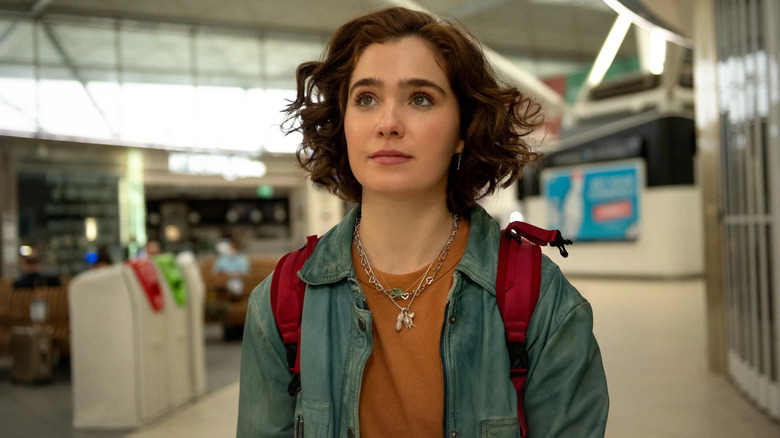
[566, 390]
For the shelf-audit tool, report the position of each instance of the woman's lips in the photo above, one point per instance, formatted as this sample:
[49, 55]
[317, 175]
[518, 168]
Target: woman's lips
[390, 157]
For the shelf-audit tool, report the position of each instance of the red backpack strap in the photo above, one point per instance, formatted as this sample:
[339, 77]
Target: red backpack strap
[518, 281]
[539, 236]
[287, 293]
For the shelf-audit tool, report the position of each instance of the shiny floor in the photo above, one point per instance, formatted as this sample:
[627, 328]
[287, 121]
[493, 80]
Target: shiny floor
[651, 334]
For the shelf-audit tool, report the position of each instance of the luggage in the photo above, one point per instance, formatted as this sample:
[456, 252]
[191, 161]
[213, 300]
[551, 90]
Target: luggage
[31, 347]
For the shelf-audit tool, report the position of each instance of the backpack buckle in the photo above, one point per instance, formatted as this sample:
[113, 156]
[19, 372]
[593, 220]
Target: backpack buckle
[559, 243]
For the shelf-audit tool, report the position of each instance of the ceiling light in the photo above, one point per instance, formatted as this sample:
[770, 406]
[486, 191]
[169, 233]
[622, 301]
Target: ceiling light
[90, 229]
[657, 51]
[644, 18]
[609, 50]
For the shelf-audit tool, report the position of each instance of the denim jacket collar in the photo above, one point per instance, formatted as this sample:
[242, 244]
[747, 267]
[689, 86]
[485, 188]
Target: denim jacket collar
[331, 260]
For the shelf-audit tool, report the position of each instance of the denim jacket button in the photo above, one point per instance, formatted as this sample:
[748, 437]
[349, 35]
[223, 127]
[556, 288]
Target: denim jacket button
[453, 319]
[350, 433]
[362, 324]
[454, 434]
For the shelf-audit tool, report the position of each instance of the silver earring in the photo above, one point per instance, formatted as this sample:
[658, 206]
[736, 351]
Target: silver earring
[458, 167]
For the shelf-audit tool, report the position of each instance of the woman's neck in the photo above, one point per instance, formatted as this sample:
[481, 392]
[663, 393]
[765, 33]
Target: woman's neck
[402, 237]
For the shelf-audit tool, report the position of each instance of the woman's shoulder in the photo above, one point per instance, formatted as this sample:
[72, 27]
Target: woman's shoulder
[558, 298]
[260, 297]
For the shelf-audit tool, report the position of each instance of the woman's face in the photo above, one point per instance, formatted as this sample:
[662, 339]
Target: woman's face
[402, 121]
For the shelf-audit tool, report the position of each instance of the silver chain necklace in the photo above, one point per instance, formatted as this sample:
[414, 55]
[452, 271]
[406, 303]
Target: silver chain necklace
[406, 316]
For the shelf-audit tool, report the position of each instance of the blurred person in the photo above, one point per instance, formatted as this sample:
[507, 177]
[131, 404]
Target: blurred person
[231, 265]
[405, 117]
[31, 275]
[150, 249]
[103, 258]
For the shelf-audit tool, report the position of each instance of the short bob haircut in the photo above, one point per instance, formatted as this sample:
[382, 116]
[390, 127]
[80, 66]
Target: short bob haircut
[495, 118]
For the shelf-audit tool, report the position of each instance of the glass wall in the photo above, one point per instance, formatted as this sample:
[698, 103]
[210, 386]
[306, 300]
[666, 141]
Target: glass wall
[162, 85]
[138, 83]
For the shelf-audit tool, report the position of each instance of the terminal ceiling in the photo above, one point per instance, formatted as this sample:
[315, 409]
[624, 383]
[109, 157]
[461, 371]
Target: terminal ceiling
[571, 30]
[566, 34]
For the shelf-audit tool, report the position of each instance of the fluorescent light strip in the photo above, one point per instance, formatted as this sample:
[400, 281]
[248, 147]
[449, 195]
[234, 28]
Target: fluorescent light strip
[647, 24]
[657, 51]
[609, 50]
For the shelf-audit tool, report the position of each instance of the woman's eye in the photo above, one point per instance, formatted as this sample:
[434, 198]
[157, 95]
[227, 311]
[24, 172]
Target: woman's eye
[364, 100]
[421, 100]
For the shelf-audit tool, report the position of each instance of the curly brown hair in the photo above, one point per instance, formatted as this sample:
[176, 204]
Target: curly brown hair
[495, 118]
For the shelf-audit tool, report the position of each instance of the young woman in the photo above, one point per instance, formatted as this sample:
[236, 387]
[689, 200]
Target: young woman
[401, 334]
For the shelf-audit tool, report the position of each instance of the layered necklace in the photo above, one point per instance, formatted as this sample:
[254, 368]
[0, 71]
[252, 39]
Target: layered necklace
[406, 316]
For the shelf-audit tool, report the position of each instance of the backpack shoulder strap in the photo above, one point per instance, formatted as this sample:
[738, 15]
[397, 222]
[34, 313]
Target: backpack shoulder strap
[518, 281]
[287, 293]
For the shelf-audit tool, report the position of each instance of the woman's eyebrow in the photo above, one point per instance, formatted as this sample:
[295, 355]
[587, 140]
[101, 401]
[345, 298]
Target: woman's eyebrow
[418, 82]
[368, 82]
[404, 83]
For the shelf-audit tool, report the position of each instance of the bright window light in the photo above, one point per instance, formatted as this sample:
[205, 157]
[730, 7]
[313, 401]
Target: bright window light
[274, 140]
[159, 114]
[66, 109]
[229, 119]
[17, 105]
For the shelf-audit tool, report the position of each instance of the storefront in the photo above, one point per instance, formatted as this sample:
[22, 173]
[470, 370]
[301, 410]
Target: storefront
[67, 199]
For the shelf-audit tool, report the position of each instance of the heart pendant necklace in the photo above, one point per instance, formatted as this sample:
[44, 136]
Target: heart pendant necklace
[406, 317]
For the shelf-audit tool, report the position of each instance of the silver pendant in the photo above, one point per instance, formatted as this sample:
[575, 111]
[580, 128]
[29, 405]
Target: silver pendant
[405, 318]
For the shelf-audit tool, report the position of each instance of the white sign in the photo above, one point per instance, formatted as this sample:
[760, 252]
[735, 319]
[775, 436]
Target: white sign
[230, 167]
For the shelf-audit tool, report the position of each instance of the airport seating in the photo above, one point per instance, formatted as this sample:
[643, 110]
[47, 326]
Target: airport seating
[15, 304]
[15, 311]
[5, 327]
[226, 308]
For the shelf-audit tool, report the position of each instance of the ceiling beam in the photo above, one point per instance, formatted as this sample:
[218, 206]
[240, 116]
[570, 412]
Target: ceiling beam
[17, 108]
[8, 32]
[38, 7]
[474, 7]
[77, 75]
[35, 11]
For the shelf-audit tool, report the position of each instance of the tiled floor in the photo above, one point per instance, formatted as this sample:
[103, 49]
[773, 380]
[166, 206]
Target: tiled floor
[46, 410]
[652, 339]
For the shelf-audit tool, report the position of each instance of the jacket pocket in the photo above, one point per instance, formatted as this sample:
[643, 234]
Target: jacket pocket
[316, 419]
[500, 428]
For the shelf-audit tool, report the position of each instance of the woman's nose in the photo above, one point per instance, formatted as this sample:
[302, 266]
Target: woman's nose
[390, 123]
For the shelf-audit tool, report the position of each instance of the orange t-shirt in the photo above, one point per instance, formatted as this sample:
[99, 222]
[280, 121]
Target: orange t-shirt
[403, 384]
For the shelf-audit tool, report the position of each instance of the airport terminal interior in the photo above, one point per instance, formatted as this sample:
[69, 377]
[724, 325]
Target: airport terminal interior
[146, 188]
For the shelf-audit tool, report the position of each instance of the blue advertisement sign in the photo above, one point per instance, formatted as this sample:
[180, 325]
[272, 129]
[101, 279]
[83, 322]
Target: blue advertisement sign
[595, 202]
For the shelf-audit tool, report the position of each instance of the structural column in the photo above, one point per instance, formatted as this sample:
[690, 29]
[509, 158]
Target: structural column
[9, 211]
[708, 171]
[314, 211]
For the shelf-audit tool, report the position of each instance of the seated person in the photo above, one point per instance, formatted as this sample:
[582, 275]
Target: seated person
[103, 258]
[233, 264]
[32, 277]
